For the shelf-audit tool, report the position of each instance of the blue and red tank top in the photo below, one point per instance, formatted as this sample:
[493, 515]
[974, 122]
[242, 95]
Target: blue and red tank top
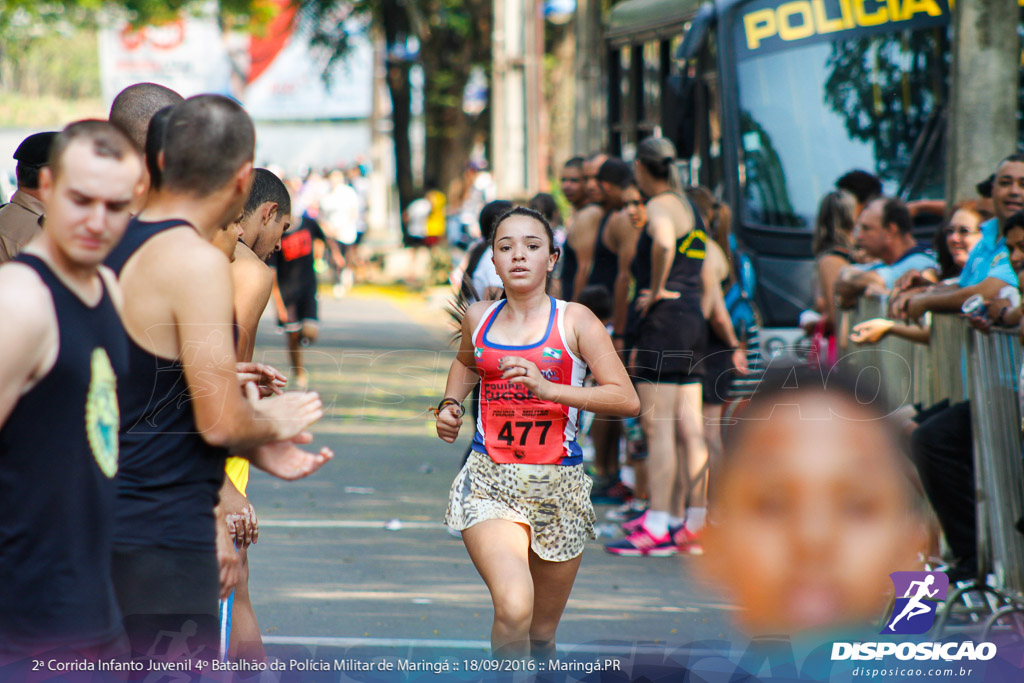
[514, 426]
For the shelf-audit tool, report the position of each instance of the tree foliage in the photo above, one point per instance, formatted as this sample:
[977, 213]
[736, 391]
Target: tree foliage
[452, 37]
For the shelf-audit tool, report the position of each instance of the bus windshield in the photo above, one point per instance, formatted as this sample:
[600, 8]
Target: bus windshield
[811, 113]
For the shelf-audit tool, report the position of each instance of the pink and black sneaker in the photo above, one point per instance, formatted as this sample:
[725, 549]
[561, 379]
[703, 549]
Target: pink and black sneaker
[641, 543]
[631, 525]
[686, 541]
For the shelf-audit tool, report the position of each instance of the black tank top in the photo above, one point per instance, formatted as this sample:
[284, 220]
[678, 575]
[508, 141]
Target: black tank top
[640, 266]
[569, 267]
[691, 248]
[606, 261]
[170, 477]
[58, 450]
[687, 262]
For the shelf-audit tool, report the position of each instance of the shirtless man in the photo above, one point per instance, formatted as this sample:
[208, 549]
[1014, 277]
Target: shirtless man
[64, 351]
[575, 191]
[266, 215]
[182, 411]
[131, 111]
[586, 223]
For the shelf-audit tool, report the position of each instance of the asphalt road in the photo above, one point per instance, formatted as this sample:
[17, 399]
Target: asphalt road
[355, 559]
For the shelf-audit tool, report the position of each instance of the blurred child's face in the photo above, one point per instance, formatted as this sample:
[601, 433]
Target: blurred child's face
[812, 514]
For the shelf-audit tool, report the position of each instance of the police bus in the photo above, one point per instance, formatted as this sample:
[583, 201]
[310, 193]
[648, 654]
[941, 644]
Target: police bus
[771, 101]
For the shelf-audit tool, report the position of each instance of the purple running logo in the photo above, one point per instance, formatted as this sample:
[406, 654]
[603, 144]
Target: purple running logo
[917, 597]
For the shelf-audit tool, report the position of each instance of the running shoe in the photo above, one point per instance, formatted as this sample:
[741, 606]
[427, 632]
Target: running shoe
[641, 544]
[627, 511]
[686, 540]
[631, 525]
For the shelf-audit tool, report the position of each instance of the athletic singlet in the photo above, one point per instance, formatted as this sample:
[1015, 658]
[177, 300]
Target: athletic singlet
[58, 450]
[514, 426]
[170, 477]
[606, 261]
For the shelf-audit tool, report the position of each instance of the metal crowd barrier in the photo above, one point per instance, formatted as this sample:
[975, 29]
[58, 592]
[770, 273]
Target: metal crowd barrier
[896, 362]
[949, 335]
[993, 367]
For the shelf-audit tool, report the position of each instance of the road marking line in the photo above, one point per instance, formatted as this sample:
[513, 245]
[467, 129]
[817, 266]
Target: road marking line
[331, 641]
[348, 524]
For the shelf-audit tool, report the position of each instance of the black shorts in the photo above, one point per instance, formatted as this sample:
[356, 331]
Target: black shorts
[670, 344]
[164, 590]
[718, 370]
[300, 305]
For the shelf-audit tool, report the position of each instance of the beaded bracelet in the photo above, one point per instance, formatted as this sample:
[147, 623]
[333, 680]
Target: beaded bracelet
[447, 402]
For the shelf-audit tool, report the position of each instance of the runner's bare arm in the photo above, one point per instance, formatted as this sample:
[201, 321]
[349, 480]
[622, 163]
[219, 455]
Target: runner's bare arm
[28, 335]
[614, 393]
[462, 376]
[202, 308]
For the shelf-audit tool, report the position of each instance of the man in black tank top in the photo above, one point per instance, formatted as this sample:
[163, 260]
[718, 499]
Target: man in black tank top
[614, 176]
[64, 352]
[181, 408]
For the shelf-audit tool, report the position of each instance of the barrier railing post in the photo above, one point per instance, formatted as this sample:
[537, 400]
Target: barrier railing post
[994, 365]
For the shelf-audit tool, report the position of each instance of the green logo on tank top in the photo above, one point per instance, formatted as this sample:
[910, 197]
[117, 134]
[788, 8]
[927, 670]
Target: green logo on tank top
[102, 419]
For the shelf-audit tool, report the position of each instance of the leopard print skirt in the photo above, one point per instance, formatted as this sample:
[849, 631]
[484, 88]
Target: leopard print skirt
[553, 500]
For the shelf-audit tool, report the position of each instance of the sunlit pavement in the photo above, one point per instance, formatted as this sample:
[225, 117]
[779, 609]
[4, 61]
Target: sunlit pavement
[355, 559]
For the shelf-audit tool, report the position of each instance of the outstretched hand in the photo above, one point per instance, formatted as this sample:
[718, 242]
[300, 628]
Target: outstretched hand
[291, 412]
[285, 460]
[268, 379]
[871, 331]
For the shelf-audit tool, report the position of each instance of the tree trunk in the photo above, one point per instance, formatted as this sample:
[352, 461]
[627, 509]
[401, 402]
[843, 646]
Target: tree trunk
[401, 117]
[983, 122]
[449, 131]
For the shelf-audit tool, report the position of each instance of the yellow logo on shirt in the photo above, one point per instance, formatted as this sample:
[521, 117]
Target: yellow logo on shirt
[102, 417]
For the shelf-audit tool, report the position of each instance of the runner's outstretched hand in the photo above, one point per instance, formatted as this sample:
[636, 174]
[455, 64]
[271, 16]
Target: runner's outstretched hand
[285, 460]
[268, 379]
[291, 412]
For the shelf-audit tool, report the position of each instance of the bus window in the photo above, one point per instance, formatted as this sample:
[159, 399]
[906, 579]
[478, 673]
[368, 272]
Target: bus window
[812, 112]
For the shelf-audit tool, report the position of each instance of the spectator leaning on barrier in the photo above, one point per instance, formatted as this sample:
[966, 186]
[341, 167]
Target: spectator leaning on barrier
[953, 242]
[988, 268]
[884, 231]
[942, 446]
[1005, 309]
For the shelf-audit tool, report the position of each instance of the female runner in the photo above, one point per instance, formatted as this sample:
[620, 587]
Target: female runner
[522, 501]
